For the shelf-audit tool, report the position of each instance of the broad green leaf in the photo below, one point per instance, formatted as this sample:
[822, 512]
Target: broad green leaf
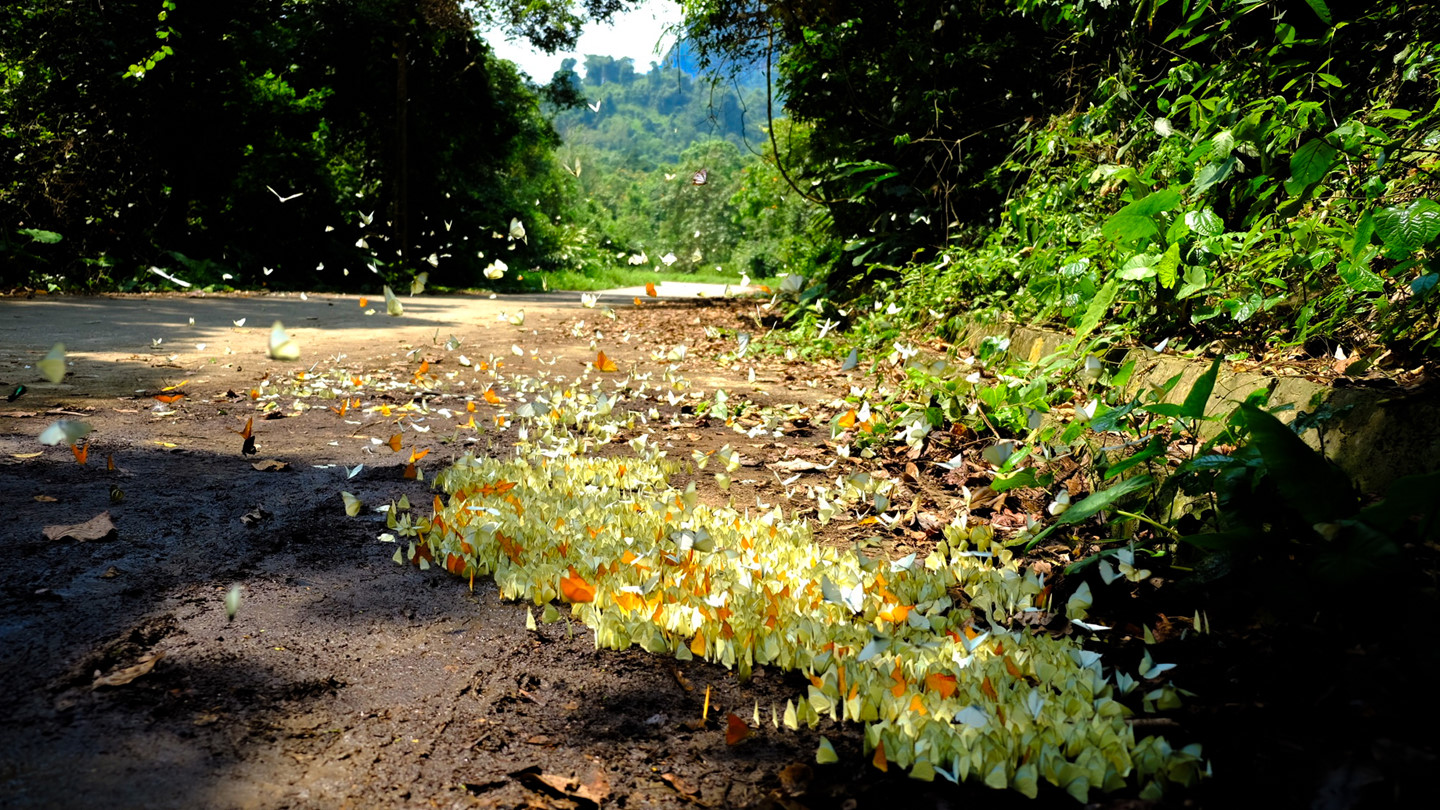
[1364, 229]
[1306, 480]
[1129, 228]
[1168, 266]
[1151, 450]
[1321, 10]
[1214, 174]
[1359, 278]
[1194, 406]
[1411, 227]
[43, 237]
[1311, 162]
[1204, 222]
[1099, 307]
[1100, 501]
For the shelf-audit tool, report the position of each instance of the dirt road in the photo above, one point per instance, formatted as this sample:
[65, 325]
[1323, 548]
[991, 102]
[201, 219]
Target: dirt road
[344, 680]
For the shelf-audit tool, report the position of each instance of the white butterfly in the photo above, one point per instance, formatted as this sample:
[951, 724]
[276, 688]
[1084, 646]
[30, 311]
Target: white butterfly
[240, 322]
[366, 219]
[161, 273]
[668, 259]
[517, 230]
[282, 347]
[284, 199]
[392, 304]
[496, 269]
[68, 431]
[596, 106]
[588, 300]
[268, 270]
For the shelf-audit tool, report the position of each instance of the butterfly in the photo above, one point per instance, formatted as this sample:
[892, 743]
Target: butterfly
[14, 395]
[603, 363]
[393, 306]
[69, 431]
[284, 199]
[669, 176]
[517, 230]
[282, 346]
[596, 106]
[52, 366]
[700, 178]
[248, 447]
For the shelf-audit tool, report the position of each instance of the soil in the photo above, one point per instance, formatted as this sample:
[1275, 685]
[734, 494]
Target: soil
[345, 680]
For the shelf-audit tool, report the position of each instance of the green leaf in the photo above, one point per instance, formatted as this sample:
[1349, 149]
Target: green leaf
[1308, 484]
[1214, 174]
[1100, 501]
[1311, 162]
[1124, 227]
[1364, 229]
[1151, 450]
[1199, 395]
[1156, 203]
[1168, 266]
[43, 237]
[1099, 306]
[1019, 478]
[1204, 222]
[1359, 278]
[1411, 227]
[1321, 10]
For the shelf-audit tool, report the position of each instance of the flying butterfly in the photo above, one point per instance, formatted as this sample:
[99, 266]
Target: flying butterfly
[700, 178]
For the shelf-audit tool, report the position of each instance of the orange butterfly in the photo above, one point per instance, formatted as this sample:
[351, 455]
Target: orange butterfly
[603, 363]
[395, 442]
[248, 447]
[364, 302]
[490, 397]
[575, 589]
[170, 398]
[736, 730]
[650, 289]
[81, 451]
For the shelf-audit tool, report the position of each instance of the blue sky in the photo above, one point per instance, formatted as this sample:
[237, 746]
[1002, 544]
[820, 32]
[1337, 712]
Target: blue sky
[634, 35]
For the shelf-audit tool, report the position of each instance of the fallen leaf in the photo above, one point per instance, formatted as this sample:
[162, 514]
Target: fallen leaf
[795, 778]
[46, 498]
[99, 527]
[254, 516]
[678, 785]
[683, 681]
[271, 465]
[594, 786]
[128, 674]
[26, 455]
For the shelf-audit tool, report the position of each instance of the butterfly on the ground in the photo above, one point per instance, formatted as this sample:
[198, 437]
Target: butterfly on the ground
[700, 178]
[248, 447]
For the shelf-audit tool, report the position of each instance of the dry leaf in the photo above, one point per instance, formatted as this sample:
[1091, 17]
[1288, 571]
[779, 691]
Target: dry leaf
[678, 784]
[46, 498]
[270, 464]
[26, 455]
[99, 527]
[795, 778]
[594, 786]
[128, 674]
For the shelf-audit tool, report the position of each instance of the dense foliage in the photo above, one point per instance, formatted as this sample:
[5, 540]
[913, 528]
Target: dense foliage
[1201, 168]
[304, 138]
